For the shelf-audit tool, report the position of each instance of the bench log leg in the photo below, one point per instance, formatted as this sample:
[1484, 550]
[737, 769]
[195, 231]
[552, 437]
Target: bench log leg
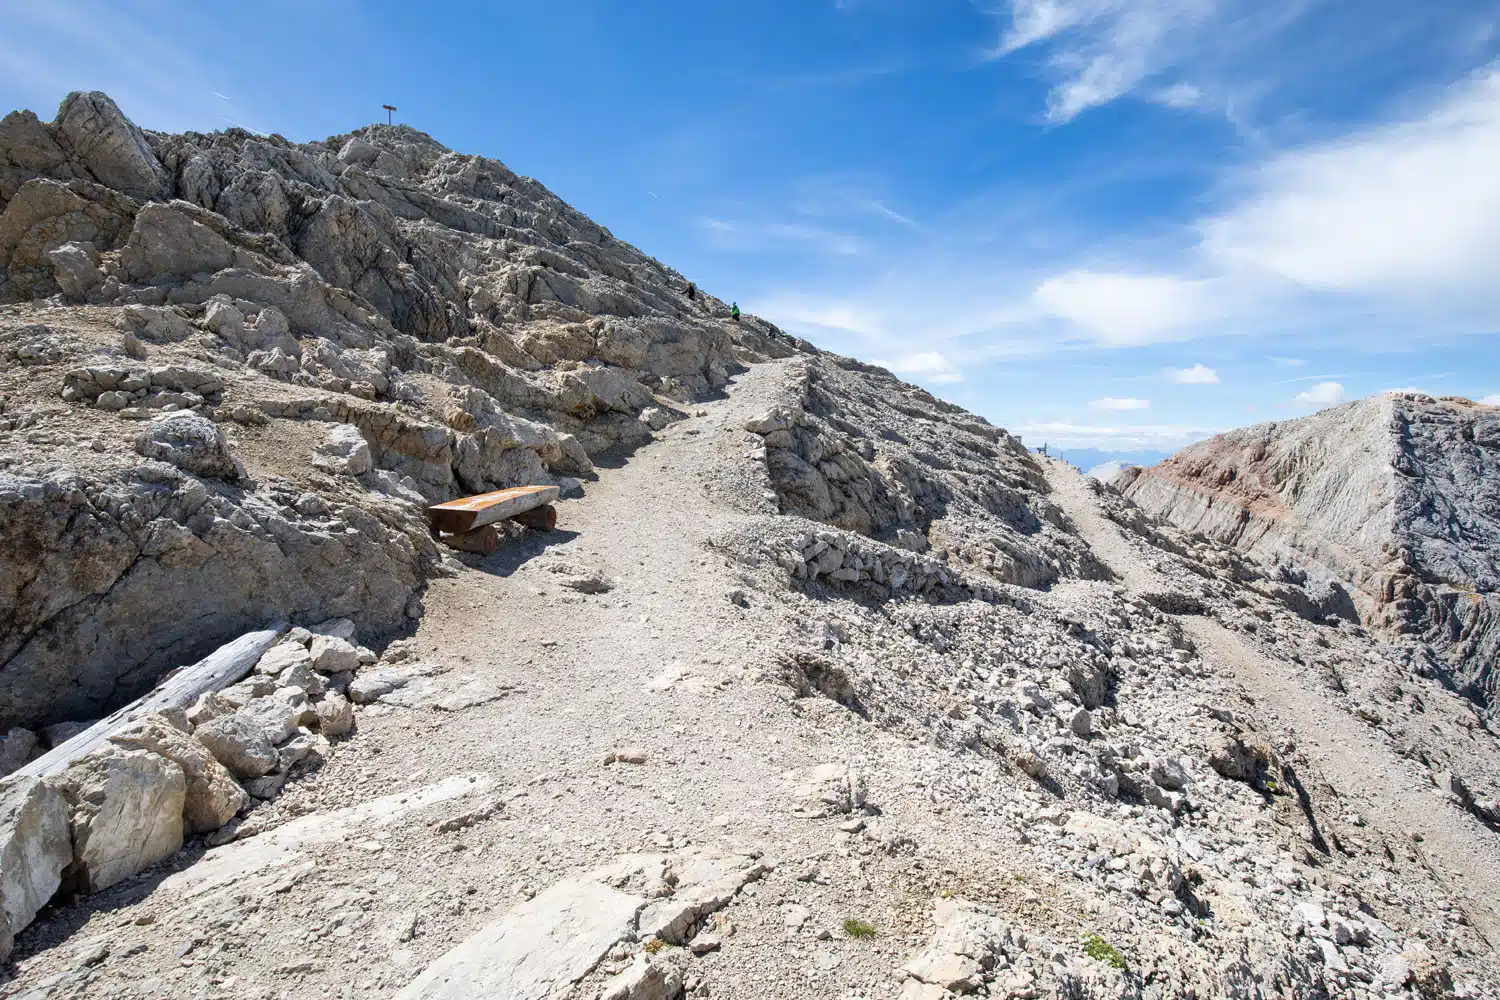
[543, 518]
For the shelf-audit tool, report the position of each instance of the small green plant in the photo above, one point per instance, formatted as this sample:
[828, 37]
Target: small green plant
[1019, 877]
[653, 946]
[946, 894]
[1097, 948]
[858, 929]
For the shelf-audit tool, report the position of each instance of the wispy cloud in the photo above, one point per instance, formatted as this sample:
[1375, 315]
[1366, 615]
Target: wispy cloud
[1286, 362]
[50, 49]
[1493, 399]
[1121, 310]
[1119, 403]
[1196, 375]
[929, 366]
[1323, 394]
[1405, 209]
[1401, 219]
[1102, 49]
[1158, 437]
[724, 234]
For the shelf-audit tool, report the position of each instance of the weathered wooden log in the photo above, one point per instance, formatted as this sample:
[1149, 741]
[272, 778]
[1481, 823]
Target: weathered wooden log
[468, 513]
[543, 518]
[481, 541]
[221, 668]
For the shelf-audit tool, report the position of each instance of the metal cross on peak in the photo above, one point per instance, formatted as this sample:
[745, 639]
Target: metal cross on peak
[390, 109]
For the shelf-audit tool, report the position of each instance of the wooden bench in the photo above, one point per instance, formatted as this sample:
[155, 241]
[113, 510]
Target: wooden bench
[467, 522]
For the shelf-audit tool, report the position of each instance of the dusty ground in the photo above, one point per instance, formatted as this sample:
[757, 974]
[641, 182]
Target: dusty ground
[666, 660]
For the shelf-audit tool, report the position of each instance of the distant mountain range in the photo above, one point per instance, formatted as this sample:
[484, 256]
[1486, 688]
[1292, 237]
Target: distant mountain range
[1087, 458]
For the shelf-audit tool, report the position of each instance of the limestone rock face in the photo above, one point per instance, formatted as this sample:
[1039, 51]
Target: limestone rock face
[35, 848]
[127, 814]
[109, 146]
[1396, 497]
[240, 743]
[211, 797]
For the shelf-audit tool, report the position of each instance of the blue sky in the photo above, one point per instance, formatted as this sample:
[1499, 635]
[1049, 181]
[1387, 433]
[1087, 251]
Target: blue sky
[1113, 223]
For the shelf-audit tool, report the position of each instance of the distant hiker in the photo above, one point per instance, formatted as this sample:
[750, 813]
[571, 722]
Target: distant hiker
[692, 291]
[734, 311]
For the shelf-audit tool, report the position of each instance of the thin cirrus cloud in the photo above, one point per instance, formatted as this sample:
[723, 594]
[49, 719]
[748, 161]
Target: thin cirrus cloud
[1323, 394]
[1125, 310]
[1119, 403]
[1100, 50]
[1403, 217]
[723, 234]
[929, 366]
[1196, 375]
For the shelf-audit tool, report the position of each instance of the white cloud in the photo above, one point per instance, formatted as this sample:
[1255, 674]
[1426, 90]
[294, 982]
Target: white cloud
[1323, 394]
[1156, 437]
[1102, 49]
[1196, 375]
[1118, 403]
[1493, 399]
[1400, 221]
[930, 366]
[1407, 208]
[1122, 310]
[1180, 95]
[724, 234]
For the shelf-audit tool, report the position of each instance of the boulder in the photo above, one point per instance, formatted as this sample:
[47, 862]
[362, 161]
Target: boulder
[282, 657]
[127, 814]
[16, 748]
[35, 848]
[191, 442]
[211, 797]
[75, 267]
[344, 452]
[644, 980]
[281, 712]
[335, 714]
[239, 742]
[332, 655]
[109, 146]
[168, 243]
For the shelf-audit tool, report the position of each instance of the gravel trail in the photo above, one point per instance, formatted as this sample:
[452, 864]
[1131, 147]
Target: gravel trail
[1389, 790]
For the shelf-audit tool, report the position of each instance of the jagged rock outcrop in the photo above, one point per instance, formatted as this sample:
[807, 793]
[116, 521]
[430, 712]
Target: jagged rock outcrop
[1396, 496]
[858, 449]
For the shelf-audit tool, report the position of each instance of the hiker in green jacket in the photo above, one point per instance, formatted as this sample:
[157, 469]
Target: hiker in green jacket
[734, 311]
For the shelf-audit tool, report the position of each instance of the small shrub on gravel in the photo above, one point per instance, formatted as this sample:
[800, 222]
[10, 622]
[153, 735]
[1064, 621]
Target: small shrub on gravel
[1097, 948]
[858, 929]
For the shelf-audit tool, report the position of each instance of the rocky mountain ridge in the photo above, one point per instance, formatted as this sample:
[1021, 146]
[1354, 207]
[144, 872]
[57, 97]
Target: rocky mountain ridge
[823, 686]
[1396, 497]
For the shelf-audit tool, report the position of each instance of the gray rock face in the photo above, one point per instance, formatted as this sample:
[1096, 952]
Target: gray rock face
[108, 146]
[1397, 497]
[240, 743]
[862, 451]
[35, 848]
[88, 566]
[127, 814]
[210, 796]
[190, 442]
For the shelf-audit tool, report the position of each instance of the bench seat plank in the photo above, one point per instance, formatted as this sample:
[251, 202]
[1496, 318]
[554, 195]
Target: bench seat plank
[468, 513]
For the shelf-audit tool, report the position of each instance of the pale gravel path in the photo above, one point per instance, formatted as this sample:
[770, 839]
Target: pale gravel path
[718, 747]
[1389, 789]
